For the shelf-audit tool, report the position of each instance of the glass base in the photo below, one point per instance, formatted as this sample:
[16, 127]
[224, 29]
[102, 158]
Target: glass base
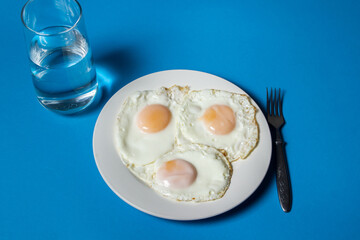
[71, 105]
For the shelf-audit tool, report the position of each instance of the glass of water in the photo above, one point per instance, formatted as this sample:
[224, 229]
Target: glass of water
[61, 62]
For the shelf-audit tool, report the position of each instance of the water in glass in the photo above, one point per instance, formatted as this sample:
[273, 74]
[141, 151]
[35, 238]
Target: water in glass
[62, 69]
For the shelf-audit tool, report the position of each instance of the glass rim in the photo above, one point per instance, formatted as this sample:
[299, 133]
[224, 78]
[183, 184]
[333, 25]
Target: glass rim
[50, 34]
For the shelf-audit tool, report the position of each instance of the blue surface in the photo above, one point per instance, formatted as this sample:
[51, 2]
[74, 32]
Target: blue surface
[50, 187]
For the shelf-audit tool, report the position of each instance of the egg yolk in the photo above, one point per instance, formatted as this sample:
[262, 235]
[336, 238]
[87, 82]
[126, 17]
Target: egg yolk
[176, 174]
[153, 118]
[219, 119]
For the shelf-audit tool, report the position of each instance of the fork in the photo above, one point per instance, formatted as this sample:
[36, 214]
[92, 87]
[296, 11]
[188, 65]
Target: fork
[276, 119]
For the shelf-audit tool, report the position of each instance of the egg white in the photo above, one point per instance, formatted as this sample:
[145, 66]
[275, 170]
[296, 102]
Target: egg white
[136, 148]
[239, 143]
[213, 173]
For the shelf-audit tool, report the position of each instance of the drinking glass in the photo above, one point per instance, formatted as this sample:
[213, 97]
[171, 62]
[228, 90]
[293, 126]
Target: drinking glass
[61, 62]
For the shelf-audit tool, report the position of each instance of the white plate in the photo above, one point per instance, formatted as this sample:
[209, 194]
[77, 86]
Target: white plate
[247, 174]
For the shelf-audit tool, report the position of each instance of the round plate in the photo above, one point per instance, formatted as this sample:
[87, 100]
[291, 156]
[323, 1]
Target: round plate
[247, 174]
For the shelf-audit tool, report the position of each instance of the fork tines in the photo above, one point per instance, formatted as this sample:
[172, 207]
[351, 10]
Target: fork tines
[273, 104]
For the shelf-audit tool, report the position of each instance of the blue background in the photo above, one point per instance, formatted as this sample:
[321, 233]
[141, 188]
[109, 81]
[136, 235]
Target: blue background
[50, 187]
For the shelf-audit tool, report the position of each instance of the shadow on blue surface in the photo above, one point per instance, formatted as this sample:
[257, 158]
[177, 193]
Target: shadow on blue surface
[114, 69]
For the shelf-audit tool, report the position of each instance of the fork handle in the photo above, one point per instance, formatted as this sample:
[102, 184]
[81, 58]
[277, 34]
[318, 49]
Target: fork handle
[282, 174]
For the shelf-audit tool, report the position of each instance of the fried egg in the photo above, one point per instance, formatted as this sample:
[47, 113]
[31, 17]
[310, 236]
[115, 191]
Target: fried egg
[220, 119]
[192, 173]
[146, 127]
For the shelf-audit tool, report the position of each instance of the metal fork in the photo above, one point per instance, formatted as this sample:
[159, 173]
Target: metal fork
[276, 119]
